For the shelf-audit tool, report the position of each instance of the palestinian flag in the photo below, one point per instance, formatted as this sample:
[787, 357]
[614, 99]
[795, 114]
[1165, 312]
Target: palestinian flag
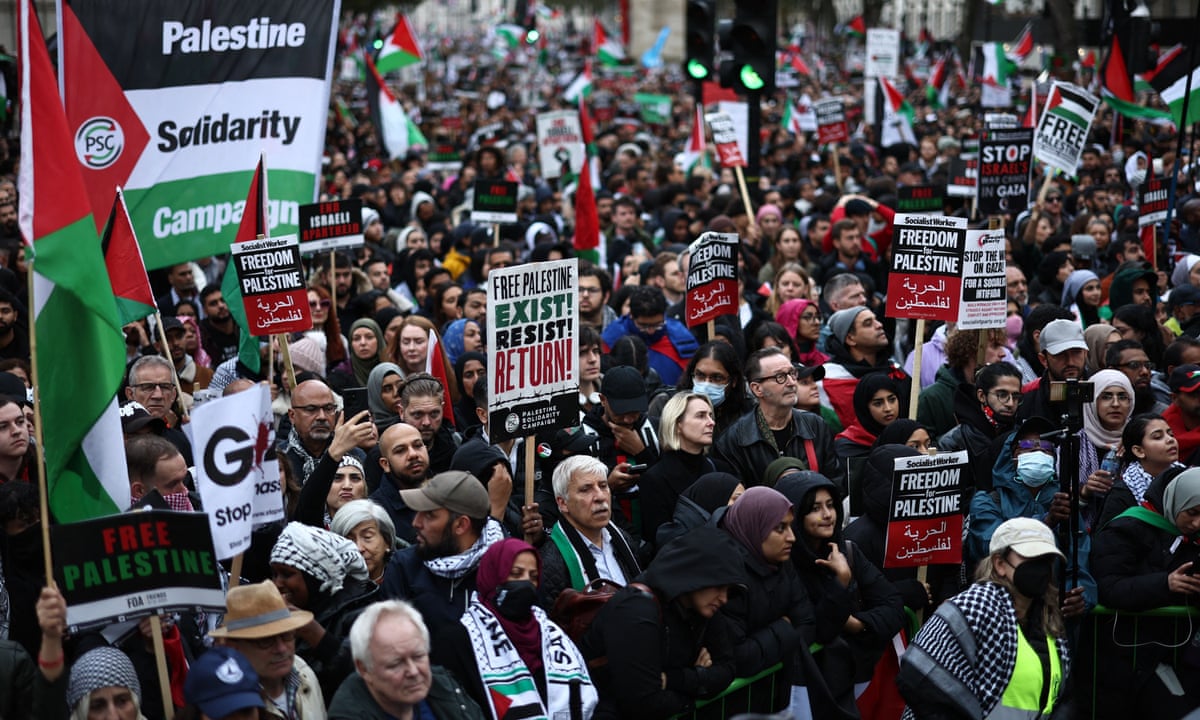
[992, 65]
[696, 150]
[80, 356]
[1023, 45]
[589, 242]
[608, 49]
[253, 226]
[857, 27]
[937, 92]
[1031, 114]
[400, 48]
[126, 269]
[1141, 83]
[581, 86]
[1170, 80]
[791, 56]
[397, 131]
[512, 36]
[439, 367]
[897, 116]
[1117, 89]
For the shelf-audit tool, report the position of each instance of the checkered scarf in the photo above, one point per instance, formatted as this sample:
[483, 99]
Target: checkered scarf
[310, 462]
[455, 566]
[326, 556]
[100, 668]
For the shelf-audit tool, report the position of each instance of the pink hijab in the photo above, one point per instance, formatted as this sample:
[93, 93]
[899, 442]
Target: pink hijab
[789, 317]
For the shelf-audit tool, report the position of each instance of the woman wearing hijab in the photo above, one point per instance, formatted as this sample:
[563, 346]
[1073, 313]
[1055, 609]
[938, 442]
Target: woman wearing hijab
[325, 574]
[999, 648]
[1081, 294]
[773, 618]
[538, 672]
[366, 351]
[462, 335]
[710, 494]
[1104, 419]
[1186, 272]
[857, 610]
[876, 405]
[1144, 560]
[1098, 338]
[661, 643]
[383, 394]
[906, 432]
[469, 369]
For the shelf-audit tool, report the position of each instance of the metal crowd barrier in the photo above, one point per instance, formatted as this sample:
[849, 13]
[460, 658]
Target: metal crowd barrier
[766, 692]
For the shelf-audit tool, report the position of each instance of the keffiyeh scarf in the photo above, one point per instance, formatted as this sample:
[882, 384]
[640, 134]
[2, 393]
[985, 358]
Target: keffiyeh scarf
[326, 556]
[455, 566]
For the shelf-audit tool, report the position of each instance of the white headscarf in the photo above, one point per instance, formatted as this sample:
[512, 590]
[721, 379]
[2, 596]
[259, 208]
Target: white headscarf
[1100, 436]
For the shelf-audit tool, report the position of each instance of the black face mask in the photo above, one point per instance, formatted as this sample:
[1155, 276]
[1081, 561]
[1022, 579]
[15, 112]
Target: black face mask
[1032, 577]
[515, 598]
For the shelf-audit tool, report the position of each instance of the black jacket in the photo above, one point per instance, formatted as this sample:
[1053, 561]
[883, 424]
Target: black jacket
[331, 659]
[556, 577]
[744, 452]
[977, 436]
[439, 599]
[388, 495]
[643, 636]
[660, 486]
[772, 619]
[446, 698]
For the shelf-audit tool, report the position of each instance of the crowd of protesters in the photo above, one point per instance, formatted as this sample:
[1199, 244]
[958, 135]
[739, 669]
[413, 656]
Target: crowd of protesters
[734, 485]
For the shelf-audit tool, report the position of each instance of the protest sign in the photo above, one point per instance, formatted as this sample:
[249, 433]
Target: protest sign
[926, 276]
[921, 199]
[925, 517]
[883, 53]
[533, 378]
[1000, 121]
[236, 470]
[330, 225]
[445, 157]
[1152, 200]
[168, 100]
[1005, 166]
[712, 278]
[654, 109]
[272, 282]
[831, 121]
[132, 565]
[964, 170]
[984, 289]
[725, 137]
[495, 201]
[739, 114]
[1062, 130]
[560, 143]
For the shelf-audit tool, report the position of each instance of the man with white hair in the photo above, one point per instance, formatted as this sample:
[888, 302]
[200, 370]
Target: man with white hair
[390, 646]
[584, 544]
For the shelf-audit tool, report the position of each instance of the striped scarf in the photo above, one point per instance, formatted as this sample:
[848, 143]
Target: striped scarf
[511, 688]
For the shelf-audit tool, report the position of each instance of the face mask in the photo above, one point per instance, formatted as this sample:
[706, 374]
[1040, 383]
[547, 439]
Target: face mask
[1035, 469]
[1137, 177]
[515, 599]
[1032, 577]
[713, 391]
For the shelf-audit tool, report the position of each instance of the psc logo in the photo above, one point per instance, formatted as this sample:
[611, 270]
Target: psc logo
[99, 142]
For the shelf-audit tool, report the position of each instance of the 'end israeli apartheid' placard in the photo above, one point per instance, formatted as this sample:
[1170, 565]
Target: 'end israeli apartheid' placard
[1152, 200]
[712, 278]
[560, 143]
[133, 565]
[331, 225]
[533, 376]
[925, 516]
[272, 282]
[926, 276]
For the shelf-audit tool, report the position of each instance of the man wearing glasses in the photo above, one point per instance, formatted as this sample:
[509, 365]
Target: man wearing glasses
[152, 383]
[314, 415]
[1131, 359]
[775, 428]
[595, 288]
[985, 412]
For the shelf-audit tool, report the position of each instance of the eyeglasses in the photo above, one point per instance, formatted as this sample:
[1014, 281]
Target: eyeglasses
[1119, 398]
[715, 378]
[650, 329]
[314, 409]
[814, 318]
[1006, 396]
[314, 304]
[780, 377]
[151, 387]
[1138, 365]
[269, 642]
[590, 291]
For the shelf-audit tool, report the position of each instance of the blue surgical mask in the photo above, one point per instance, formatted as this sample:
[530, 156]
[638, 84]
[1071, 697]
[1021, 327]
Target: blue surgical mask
[713, 391]
[1035, 469]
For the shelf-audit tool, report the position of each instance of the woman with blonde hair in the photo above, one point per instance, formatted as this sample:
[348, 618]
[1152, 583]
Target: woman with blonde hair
[791, 282]
[686, 434]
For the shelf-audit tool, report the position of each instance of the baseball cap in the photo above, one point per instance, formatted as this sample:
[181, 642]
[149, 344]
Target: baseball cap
[455, 490]
[817, 372]
[1083, 246]
[170, 322]
[221, 682]
[1025, 536]
[1062, 335]
[625, 390]
[1185, 378]
[1184, 295]
[1036, 424]
[134, 417]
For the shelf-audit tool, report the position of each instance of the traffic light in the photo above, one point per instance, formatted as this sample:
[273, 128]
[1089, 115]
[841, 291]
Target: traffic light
[701, 22]
[726, 72]
[753, 36]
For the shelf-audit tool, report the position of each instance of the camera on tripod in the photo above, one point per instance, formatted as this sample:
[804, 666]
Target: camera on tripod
[1072, 394]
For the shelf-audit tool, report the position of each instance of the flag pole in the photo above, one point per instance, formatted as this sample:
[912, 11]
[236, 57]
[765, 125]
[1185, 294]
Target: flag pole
[741, 177]
[1187, 96]
[160, 661]
[43, 483]
[287, 361]
[162, 335]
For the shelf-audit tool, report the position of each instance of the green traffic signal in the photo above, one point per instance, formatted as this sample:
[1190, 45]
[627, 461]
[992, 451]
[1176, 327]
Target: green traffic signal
[378, 43]
[750, 78]
[697, 70]
[532, 36]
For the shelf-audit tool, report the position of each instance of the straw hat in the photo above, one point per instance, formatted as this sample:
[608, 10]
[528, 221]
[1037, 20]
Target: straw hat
[258, 611]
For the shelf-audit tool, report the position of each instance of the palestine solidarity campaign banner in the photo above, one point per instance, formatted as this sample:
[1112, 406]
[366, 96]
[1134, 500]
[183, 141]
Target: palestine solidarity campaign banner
[168, 100]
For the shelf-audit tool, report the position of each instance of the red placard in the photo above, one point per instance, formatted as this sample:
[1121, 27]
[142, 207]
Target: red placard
[725, 136]
[925, 517]
[272, 282]
[831, 121]
[712, 278]
[927, 261]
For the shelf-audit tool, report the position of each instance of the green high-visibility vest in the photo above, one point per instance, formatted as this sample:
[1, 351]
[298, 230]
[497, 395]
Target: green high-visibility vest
[1024, 691]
